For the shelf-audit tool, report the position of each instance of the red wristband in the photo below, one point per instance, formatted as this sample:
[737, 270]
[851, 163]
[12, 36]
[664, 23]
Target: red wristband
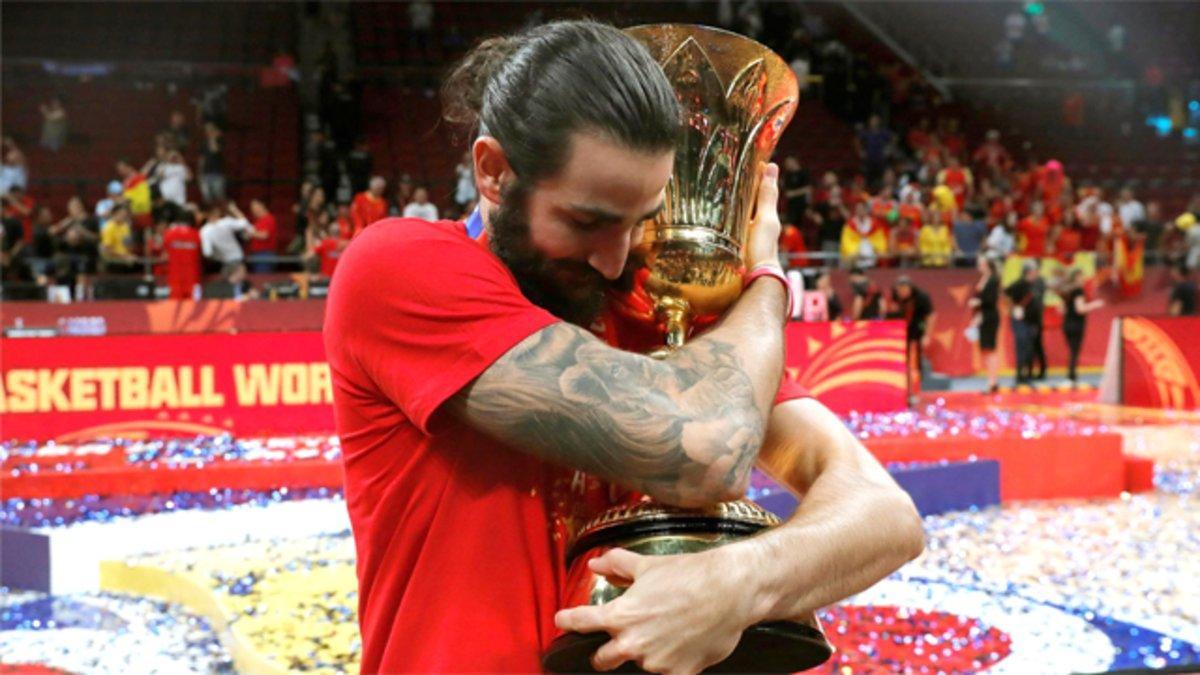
[775, 272]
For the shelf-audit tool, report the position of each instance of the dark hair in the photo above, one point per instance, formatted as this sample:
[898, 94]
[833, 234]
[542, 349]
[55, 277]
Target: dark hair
[533, 90]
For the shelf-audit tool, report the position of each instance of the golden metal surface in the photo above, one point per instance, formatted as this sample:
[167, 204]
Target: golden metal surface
[737, 97]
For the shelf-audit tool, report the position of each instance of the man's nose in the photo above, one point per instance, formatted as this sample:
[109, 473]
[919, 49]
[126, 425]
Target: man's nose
[609, 260]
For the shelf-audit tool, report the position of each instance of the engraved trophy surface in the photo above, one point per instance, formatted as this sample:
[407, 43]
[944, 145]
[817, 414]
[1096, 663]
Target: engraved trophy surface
[737, 97]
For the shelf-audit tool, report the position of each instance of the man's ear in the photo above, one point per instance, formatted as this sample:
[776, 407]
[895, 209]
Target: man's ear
[492, 171]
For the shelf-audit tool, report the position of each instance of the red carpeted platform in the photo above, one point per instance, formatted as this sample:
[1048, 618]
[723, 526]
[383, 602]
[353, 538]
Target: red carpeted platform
[1050, 467]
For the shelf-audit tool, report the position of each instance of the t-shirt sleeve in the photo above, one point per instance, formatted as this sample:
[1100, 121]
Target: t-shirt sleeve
[790, 390]
[430, 313]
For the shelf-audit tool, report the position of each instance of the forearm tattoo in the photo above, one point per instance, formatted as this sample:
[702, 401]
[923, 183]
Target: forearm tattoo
[680, 430]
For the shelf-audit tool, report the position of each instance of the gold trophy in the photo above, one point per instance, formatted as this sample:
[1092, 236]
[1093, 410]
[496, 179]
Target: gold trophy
[737, 97]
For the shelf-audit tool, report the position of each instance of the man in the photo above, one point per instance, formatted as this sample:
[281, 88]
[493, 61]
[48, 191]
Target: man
[173, 177]
[368, 206]
[1024, 303]
[105, 206]
[116, 241]
[992, 157]
[77, 235]
[868, 299]
[181, 244]
[874, 145]
[212, 164]
[1130, 209]
[1034, 230]
[177, 131]
[960, 181]
[19, 206]
[219, 241]
[797, 188]
[420, 207]
[474, 389]
[916, 308]
[1183, 298]
[267, 243]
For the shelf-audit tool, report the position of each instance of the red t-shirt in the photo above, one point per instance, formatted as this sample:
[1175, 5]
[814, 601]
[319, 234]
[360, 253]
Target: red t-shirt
[182, 246]
[329, 249]
[25, 218]
[269, 245]
[460, 539]
[365, 209]
[1035, 231]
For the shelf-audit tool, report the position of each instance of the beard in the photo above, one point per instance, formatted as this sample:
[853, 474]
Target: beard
[569, 289]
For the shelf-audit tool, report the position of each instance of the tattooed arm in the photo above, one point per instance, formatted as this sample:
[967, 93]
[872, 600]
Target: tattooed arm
[685, 430]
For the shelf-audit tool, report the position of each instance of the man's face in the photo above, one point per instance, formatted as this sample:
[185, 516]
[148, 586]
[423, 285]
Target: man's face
[903, 291]
[567, 239]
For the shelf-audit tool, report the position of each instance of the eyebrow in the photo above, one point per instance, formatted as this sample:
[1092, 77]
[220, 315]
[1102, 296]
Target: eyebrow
[604, 215]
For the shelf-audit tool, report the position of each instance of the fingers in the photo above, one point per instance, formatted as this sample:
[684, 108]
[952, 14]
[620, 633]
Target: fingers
[582, 619]
[610, 655]
[768, 191]
[618, 562]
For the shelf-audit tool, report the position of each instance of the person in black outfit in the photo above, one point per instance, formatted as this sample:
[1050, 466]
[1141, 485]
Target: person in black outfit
[796, 189]
[987, 307]
[1076, 306]
[868, 299]
[1034, 314]
[916, 308]
[833, 305]
[1183, 299]
[1021, 293]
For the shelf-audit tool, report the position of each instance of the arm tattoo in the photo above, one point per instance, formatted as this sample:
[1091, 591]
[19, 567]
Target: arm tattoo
[681, 430]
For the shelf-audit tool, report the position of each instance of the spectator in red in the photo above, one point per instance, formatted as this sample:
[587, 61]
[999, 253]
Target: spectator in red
[18, 207]
[992, 158]
[1051, 184]
[998, 211]
[1087, 214]
[1069, 240]
[958, 178]
[266, 246]
[368, 206]
[903, 240]
[181, 244]
[325, 248]
[791, 244]
[1034, 230]
[952, 138]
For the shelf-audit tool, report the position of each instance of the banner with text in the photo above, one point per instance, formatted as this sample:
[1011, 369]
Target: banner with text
[138, 386]
[147, 386]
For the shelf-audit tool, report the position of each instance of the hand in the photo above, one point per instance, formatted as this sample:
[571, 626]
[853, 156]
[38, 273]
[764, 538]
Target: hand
[682, 613]
[763, 246]
[925, 342]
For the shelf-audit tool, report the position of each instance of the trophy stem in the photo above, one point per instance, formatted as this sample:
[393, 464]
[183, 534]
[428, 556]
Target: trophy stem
[675, 312]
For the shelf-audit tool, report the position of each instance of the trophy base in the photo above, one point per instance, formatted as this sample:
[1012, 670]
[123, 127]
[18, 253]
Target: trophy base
[773, 647]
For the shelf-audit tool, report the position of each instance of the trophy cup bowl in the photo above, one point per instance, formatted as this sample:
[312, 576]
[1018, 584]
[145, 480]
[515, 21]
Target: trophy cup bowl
[737, 97]
[655, 529]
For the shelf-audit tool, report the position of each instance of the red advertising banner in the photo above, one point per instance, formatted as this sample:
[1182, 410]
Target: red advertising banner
[139, 386]
[248, 384]
[857, 366]
[1159, 369]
